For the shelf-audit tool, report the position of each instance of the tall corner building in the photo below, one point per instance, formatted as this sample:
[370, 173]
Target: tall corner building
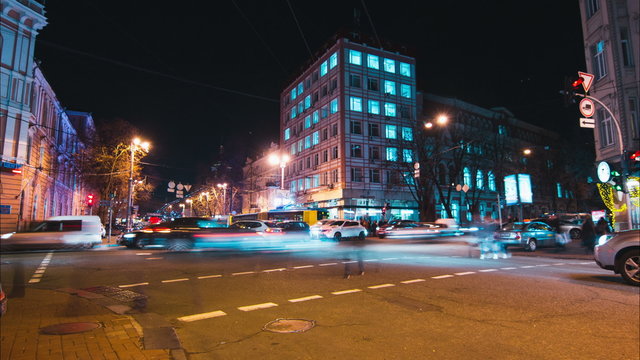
[342, 122]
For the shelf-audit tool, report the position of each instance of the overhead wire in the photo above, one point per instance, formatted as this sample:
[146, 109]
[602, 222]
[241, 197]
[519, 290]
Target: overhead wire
[300, 29]
[366, 10]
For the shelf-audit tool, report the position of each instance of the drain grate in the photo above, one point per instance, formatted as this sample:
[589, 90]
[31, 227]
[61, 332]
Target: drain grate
[289, 325]
[69, 328]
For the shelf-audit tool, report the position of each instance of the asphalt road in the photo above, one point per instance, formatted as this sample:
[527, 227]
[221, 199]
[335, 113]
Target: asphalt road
[415, 300]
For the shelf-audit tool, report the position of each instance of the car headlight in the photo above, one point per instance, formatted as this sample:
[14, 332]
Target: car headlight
[7, 235]
[129, 236]
[604, 239]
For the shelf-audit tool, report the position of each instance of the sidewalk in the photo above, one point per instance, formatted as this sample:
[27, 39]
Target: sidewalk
[117, 337]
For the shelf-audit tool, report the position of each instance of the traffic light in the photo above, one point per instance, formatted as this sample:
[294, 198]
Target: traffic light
[571, 85]
[617, 181]
[90, 200]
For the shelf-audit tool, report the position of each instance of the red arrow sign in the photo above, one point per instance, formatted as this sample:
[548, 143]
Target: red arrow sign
[588, 80]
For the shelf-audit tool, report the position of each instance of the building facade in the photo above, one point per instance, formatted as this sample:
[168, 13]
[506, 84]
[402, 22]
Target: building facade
[343, 121]
[611, 31]
[261, 186]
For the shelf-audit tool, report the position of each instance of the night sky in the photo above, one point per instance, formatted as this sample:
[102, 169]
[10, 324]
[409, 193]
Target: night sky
[192, 75]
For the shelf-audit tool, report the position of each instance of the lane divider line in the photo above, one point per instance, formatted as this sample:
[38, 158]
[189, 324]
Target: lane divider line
[143, 254]
[349, 262]
[412, 281]
[388, 259]
[133, 285]
[346, 291]
[175, 280]
[303, 266]
[257, 306]
[39, 273]
[487, 270]
[274, 270]
[559, 264]
[306, 298]
[371, 260]
[380, 286]
[508, 268]
[153, 258]
[328, 264]
[543, 265]
[527, 267]
[209, 276]
[202, 316]
[243, 273]
[464, 273]
[441, 277]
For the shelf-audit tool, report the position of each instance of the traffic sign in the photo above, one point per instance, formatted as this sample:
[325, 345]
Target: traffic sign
[587, 107]
[588, 80]
[587, 123]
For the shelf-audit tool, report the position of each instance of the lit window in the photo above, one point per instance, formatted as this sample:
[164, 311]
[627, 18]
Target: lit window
[300, 107]
[374, 107]
[407, 134]
[300, 185]
[316, 117]
[407, 155]
[307, 122]
[334, 106]
[300, 142]
[491, 180]
[323, 69]
[405, 91]
[467, 176]
[300, 88]
[392, 154]
[294, 113]
[408, 178]
[355, 104]
[559, 190]
[307, 142]
[373, 61]
[599, 61]
[333, 60]
[355, 57]
[389, 65]
[316, 138]
[293, 149]
[307, 102]
[390, 109]
[294, 94]
[389, 87]
[479, 179]
[287, 133]
[391, 131]
[405, 69]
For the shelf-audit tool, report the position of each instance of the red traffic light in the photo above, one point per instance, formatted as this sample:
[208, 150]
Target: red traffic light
[90, 199]
[576, 83]
[635, 156]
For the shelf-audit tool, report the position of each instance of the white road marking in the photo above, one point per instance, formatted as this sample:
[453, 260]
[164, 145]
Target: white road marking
[174, 280]
[412, 281]
[154, 258]
[526, 267]
[209, 276]
[328, 264]
[558, 264]
[391, 258]
[143, 254]
[39, 273]
[465, 273]
[349, 262]
[202, 316]
[244, 273]
[487, 270]
[586, 263]
[303, 266]
[257, 306]
[371, 260]
[132, 285]
[441, 277]
[508, 268]
[346, 291]
[306, 298]
[273, 270]
[380, 286]
[543, 265]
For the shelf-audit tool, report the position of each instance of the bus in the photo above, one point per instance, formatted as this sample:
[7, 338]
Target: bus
[308, 215]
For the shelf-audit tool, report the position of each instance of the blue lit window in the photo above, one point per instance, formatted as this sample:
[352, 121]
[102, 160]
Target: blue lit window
[391, 131]
[323, 69]
[502, 130]
[355, 104]
[407, 155]
[287, 134]
[405, 91]
[307, 142]
[405, 69]
[307, 183]
[333, 60]
[373, 61]
[294, 112]
[355, 57]
[294, 94]
[374, 107]
[467, 176]
[300, 88]
[293, 186]
[316, 180]
[293, 149]
[307, 122]
[491, 180]
[300, 185]
[392, 154]
[408, 178]
[316, 138]
[559, 190]
[316, 117]
[407, 134]
[307, 102]
[334, 106]
[479, 179]
[300, 107]
[300, 145]
[389, 87]
[389, 65]
[390, 109]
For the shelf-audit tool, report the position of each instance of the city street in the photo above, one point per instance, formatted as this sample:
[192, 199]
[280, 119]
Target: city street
[416, 299]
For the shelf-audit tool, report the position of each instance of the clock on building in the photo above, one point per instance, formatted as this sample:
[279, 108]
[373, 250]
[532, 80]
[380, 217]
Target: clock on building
[604, 172]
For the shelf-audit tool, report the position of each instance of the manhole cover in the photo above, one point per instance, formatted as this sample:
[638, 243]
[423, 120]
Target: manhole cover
[289, 325]
[69, 328]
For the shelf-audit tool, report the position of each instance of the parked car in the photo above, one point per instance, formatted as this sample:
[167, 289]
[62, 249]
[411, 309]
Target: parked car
[529, 235]
[340, 229]
[315, 229]
[620, 252]
[257, 225]
[186, 233]
[294, 229]
[570, 226]
[381, 229]
[57, 232]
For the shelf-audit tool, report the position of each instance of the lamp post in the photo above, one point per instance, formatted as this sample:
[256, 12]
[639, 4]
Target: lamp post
[441, 120]
[223, 186]
[282, 160]
[190, 202]
[133, 147]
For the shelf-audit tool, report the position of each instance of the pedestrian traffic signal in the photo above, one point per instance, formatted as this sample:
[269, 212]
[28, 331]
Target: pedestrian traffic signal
[617, 182]
[90, 200]
[571, 85]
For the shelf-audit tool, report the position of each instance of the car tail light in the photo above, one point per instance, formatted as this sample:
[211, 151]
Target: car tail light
[273, 230]
[162, 230]
[147, 230]
[518, 236]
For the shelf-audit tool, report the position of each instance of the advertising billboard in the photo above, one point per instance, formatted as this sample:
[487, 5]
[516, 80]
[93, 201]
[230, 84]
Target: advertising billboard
[524, 189]
[511, 189]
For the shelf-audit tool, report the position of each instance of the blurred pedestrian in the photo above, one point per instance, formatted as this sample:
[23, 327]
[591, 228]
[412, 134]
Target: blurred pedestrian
[373, 227]
[602, 227]
[588, 234]
[356, 255]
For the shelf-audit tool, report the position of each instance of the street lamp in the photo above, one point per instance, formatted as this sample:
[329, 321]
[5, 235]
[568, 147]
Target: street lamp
[223, 186]
[136, 143]
[282, 160]
[190, 202]
[441, 120]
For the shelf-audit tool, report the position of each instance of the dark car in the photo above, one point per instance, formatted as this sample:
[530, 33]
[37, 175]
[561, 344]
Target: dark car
[295, 229]
[529, 235]
[186, 233]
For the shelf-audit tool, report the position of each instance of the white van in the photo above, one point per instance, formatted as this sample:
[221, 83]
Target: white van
[57, 232]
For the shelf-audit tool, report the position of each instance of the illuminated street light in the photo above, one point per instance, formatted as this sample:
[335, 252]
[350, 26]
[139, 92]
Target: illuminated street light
[223, 186]
[282, 160]
[190, 202]
[441, 120]
[136, 144]
[527, 151]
